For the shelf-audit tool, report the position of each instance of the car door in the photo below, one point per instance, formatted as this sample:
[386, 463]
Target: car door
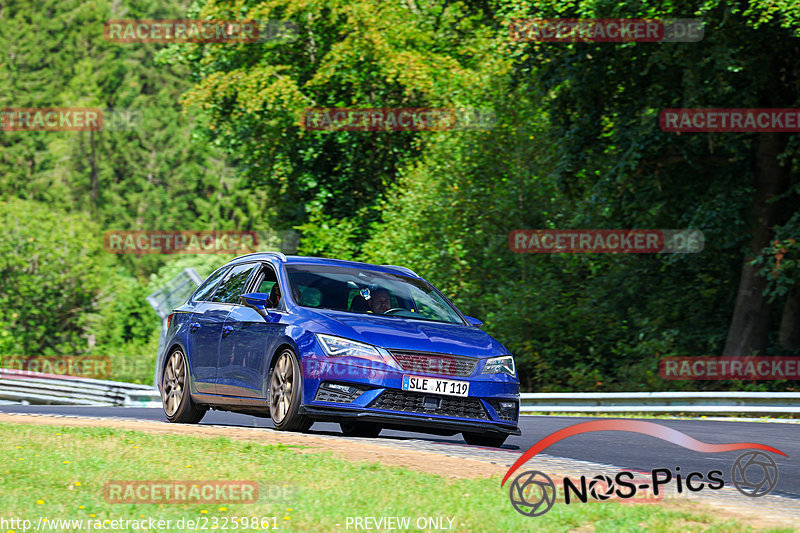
[248, 339]
[205, 326]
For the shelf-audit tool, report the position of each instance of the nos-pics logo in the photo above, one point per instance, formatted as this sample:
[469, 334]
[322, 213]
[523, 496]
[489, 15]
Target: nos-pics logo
[533, 493]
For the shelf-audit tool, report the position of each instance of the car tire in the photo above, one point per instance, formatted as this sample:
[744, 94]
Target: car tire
[175, 397]
[286, 393]
[360, 429]
[476, 439]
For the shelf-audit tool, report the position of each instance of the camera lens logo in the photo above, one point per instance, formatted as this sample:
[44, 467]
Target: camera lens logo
[532, 493]
[755, 474]
[601, 487]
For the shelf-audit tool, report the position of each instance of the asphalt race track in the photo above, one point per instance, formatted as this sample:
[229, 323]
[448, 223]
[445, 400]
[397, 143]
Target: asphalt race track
[622, 449]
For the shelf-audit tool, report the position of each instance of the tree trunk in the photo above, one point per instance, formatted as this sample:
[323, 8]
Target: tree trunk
[790, 322]
[93, 175]
[751, 316]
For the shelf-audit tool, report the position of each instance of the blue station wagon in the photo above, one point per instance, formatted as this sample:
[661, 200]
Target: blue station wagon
[304, 339]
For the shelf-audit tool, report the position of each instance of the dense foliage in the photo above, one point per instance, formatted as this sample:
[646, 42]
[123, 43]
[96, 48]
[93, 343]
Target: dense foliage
[219, 144]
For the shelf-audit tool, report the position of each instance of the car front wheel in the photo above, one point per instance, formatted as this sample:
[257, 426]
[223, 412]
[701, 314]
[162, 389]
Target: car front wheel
[285, 394]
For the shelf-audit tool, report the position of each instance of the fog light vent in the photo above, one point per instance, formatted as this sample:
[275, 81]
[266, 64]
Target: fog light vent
[338, 392]
[507, 410]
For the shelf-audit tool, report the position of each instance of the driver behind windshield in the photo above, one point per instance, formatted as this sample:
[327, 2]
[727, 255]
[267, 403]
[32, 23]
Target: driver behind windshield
[380, 301]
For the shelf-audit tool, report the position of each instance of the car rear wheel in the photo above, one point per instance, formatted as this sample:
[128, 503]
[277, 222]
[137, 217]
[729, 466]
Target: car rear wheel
[175, 397]
[285, 394]
[360, 429]
[476, 439]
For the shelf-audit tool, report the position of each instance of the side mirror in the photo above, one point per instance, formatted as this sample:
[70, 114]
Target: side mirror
[257, 301]
[474, 322]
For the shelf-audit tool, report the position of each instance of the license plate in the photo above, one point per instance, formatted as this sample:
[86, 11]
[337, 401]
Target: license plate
[436, 386]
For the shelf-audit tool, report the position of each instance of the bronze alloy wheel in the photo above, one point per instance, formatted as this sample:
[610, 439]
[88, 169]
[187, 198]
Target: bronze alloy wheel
[174, 383]
[285, 394]
[175, 397]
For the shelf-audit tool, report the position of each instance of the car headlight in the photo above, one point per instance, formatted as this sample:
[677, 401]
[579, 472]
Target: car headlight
[500, 365]
[340, 347]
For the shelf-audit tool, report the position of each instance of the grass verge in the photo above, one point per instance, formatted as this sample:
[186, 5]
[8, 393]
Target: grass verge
[60, 473]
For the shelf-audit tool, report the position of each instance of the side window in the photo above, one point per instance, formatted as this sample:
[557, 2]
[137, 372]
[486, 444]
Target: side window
[269, 284]
[309, 297]
[231, 287]
[209, 285]
[266, 285]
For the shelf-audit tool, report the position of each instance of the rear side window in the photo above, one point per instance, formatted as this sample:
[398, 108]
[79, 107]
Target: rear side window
[231, 287]
[209, 285]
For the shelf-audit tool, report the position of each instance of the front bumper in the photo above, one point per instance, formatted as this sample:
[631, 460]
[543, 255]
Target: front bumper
[407, 421]
[376, 395]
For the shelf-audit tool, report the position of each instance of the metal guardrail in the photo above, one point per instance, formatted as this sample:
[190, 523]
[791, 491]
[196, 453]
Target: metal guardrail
[50, 389]
[663, 402]
[39, 388]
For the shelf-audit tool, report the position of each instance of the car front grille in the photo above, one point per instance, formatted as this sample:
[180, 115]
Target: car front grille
[439, 364]
[416, 402]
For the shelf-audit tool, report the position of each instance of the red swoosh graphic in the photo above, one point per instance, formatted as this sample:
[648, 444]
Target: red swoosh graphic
[634, 426]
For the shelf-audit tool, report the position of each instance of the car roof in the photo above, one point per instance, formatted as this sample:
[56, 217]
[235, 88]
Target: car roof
[305, 260]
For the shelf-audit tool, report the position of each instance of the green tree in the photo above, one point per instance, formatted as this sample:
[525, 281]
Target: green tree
[604, 106]
[52, 273]
[250, 98]
[142, 171]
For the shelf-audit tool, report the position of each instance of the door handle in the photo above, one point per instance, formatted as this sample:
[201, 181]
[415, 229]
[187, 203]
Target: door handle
[194, 326]
[226, 330]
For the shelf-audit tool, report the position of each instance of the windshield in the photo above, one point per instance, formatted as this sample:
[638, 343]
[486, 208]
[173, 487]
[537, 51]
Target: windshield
[356, 290]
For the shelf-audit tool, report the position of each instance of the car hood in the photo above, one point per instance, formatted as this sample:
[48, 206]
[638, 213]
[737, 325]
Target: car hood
[413, 335]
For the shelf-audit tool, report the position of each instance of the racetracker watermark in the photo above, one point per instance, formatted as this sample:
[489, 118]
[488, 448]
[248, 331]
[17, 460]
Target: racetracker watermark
[198, 31]
[121, 119]
[357, 368]
[51, 119]
[143, 523]
[87, 366]
[68, 119]
[716, 368]
[619, 241]
[180, 242]
[397, 119]
[181, 492]
[729, 120]
[607, 30]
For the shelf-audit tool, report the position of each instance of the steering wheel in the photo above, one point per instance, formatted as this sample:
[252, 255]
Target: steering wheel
[394, 309]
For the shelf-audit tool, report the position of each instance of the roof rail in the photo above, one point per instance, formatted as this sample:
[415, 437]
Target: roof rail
[402, 269]
[279, 255]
